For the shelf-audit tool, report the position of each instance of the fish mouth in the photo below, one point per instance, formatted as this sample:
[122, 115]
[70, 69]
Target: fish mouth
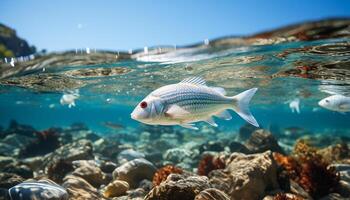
[132, 115]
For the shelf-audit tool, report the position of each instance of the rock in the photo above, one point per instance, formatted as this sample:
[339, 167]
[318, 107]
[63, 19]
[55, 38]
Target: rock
[58, 163]
[212, 146]
[246, 131]
[18, 140]
[115, 189]
[176, 155]
[136, 194]
[21, 129]
[79, 150]
[57, 169]
[134, 171]
[79, 189]
[238, 147]
[179, 187]
[19, 169]
[146, 185]
[90, 172]
[211, 194]
[8, 150]
[262, 140]
[8, 180]
[34, 163]
[4, 160]
[43, 189]
[108, 148]
[129, 154]
[246, 176]
[333, 196]
[108, 166]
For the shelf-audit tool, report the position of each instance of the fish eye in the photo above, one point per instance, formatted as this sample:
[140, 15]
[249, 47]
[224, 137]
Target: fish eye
[143, 104]
[327, 101]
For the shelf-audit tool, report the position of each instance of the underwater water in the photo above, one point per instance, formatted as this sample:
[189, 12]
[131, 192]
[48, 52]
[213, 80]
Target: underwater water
[292, 75]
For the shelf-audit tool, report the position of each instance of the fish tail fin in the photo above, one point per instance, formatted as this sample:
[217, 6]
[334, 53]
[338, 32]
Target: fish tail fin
[241, 105]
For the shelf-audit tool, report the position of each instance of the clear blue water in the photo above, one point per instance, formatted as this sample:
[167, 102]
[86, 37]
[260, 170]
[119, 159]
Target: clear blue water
[112, 98]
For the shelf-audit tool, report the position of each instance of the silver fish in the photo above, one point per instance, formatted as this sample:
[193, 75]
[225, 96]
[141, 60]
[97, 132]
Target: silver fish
[336, 102]
[191, 101]
[32, 190]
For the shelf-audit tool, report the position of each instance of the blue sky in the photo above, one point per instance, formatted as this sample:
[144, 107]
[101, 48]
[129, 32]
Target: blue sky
[130, 24]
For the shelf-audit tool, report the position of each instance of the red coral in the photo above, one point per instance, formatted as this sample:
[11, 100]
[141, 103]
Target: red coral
[209, 163]
[309, 170]
[162, 173]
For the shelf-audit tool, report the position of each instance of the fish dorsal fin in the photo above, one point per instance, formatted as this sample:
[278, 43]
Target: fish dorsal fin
[194, 80]
[175, 111]
[219, 90]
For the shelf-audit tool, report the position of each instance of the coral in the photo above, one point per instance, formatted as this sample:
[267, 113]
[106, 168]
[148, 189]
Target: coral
[209, 163]
[162, 173]
[309, 170]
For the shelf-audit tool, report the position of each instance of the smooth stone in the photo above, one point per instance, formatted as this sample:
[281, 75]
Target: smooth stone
[115, 189]
[80, 189]
[90, 172]
[135, 171]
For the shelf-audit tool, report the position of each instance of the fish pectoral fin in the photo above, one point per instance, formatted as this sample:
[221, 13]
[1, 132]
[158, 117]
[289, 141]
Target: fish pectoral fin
[211, 122]
[175, 111]
[224, 115]
[190, 126]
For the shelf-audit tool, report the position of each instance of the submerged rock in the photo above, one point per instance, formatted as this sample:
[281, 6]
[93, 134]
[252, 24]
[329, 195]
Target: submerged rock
[115, 189]
[90, 172]
[129, 154]
[135, 171]
[5, 160]
[246, 176]
[79, 189]
[211, 194]
[79, 150]
[8, 180]
[179, 187]
[43, 189]
[261, 141]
